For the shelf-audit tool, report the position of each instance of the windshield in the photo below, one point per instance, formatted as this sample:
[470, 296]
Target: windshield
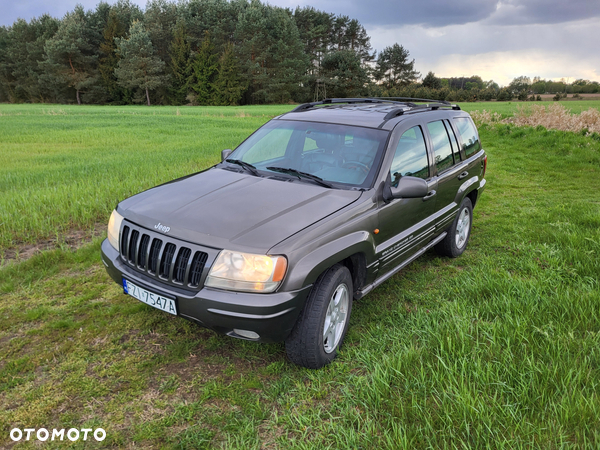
[346, 156]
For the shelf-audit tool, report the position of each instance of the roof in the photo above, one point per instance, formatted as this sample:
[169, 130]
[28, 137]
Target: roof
[367, 112]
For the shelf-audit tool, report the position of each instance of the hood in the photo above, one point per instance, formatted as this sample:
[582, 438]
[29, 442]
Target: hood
[223, 209]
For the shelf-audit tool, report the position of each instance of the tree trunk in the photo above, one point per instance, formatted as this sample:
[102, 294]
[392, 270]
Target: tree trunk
[147, 96]
[78, 99]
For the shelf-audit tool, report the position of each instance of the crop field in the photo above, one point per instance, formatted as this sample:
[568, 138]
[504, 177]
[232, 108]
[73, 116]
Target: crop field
[499, 348]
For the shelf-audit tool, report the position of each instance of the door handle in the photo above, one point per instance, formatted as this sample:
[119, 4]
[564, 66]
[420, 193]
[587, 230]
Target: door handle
[463, 175]
[429, 195]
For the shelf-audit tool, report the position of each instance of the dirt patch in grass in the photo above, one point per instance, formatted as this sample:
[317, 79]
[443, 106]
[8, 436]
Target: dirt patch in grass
[72, 240]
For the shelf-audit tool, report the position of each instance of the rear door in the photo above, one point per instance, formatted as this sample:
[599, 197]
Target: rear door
[449, 170]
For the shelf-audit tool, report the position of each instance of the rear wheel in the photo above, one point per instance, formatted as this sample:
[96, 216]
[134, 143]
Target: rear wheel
[323, 323]
[455, 242]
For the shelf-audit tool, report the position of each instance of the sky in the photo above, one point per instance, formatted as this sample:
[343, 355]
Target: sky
[495, 39]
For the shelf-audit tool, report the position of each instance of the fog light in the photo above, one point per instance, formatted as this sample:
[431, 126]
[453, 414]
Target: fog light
[247, 334]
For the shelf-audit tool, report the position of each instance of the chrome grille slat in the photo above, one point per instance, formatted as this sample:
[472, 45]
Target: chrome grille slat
[168, 260]
[196, 268]
[124, 241]
[132, 250]
[154, 254]
[142, 258]
[181, 264]
[166, 263]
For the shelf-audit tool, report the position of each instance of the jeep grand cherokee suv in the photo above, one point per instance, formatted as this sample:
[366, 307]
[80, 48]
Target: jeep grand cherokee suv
[315, 209]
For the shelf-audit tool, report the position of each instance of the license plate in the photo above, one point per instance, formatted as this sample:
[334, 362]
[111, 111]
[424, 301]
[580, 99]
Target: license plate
[150, 298]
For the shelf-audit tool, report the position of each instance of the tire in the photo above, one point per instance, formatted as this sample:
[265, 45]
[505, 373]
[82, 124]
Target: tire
[455, 242]
[323, 323]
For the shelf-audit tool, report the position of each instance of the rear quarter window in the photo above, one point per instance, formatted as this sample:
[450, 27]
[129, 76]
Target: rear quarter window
[468, 134]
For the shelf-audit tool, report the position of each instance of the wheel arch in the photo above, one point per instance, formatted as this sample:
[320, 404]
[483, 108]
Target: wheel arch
[473, 196]
[353, 251]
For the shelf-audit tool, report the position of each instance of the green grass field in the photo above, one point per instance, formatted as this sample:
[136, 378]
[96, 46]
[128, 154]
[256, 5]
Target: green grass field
[499, 348]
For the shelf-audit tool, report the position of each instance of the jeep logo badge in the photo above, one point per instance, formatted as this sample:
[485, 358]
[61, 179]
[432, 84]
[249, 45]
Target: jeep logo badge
[162, 228]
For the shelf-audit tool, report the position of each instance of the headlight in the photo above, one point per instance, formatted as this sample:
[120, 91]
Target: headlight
[114, 226]
[246, 272]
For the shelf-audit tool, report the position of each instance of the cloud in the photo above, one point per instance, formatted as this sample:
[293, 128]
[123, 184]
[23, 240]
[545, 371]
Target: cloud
[442, 13]
[28, 9]
[503, 67]
[499, 52]
[429, 13]
[527, 12]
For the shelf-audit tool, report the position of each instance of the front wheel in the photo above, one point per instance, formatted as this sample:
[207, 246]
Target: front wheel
[455, 242]
[323, 323]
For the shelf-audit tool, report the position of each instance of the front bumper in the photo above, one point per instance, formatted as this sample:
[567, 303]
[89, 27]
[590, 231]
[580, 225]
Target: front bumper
[271, 316]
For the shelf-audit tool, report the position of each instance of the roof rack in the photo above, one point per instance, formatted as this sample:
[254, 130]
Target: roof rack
[437, 104]
[331, 101]
[404, 101]
[412, 99]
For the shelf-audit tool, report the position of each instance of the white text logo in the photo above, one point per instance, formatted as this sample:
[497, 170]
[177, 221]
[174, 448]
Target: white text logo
[162, 228]
[42, 434]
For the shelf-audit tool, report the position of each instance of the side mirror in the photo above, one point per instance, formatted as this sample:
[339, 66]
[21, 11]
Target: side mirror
[225, 154]
[410, 187]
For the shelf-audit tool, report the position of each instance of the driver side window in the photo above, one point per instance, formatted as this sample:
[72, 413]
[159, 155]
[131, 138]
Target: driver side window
[410, 158]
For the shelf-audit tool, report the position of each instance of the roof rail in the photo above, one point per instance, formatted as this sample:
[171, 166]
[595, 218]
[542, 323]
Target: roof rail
[406, 101]
[399, 111]
[412, 99]
[331, 101]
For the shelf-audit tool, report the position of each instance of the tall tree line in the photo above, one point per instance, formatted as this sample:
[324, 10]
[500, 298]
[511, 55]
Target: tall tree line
[206, 52]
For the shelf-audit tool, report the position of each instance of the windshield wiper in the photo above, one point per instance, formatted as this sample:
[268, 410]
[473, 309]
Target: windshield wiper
[308, 176]
[249, 167]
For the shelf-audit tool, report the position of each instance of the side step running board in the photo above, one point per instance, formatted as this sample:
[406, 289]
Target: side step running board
[368, 288]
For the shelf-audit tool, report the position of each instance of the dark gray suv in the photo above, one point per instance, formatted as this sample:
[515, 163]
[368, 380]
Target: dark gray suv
[315, 209]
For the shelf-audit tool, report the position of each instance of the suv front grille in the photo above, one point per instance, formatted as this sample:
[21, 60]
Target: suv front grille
[172, 261]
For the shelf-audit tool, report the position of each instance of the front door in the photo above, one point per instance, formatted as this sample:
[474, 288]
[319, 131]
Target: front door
[406, 224]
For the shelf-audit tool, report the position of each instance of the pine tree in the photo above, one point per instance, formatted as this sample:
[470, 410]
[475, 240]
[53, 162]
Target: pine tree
[138, 66]
[271, 54]
[108, 50]
[70, 56]
[315, 29]
[431, 81]
[22, 49]
[394, 67]
[345, 75]
[204, 71]
[180, 64]
[228, 86]
[359, 41]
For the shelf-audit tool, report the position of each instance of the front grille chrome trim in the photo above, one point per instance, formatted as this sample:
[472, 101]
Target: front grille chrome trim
[165, 259]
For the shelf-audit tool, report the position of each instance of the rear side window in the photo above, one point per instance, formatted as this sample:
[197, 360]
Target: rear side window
[410, 158]
[441, 145]
[468, 134]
